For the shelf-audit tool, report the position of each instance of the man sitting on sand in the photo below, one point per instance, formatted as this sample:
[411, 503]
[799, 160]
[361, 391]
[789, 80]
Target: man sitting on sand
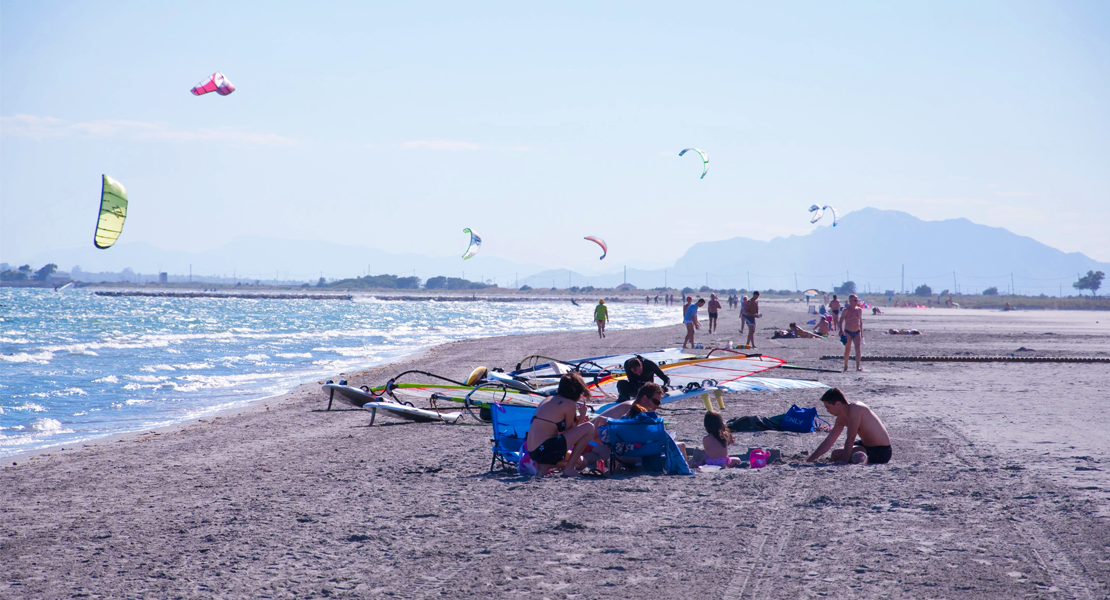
[873, 444]
[822, 327]
[639, 371]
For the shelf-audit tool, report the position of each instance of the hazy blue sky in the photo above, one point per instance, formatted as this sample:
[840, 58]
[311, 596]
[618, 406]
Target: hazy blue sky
[396, 125]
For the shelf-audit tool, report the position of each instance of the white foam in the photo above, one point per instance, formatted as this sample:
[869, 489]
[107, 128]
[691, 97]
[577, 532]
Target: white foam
[31, 406]
[40, 358]
[294, 355]
[107, 379]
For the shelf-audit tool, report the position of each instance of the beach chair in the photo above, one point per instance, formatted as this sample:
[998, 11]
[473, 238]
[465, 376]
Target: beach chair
[510, 429]
[646, 438]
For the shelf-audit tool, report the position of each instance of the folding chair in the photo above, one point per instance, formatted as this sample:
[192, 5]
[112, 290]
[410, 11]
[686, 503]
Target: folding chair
[639, 437]
[510, 429]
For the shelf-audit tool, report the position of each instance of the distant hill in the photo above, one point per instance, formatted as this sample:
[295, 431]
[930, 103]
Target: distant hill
[873, 245]
[870, 246]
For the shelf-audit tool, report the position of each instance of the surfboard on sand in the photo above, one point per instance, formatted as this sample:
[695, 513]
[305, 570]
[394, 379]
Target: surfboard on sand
[363, 399]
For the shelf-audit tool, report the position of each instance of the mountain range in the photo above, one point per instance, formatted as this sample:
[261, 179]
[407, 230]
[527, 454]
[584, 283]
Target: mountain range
[869, 246]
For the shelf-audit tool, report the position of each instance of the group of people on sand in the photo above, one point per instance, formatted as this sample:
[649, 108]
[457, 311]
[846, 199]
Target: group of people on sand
[749, 312]
[561, 435]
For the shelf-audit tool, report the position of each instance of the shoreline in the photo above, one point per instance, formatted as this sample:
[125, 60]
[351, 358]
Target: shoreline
[992, 493]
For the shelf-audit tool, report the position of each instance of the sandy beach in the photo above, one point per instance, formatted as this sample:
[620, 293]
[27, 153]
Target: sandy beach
[999, 488]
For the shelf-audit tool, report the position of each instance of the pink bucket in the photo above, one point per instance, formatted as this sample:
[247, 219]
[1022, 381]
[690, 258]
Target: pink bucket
[758, 458]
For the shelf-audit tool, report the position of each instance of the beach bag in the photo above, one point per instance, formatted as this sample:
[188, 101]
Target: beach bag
[799, 420]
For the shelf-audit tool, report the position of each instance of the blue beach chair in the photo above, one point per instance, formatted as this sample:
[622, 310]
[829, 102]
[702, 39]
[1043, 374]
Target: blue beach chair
[645, 437]
[510, 429]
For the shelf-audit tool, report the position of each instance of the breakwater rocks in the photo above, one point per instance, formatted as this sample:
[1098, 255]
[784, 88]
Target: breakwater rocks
[253, 296]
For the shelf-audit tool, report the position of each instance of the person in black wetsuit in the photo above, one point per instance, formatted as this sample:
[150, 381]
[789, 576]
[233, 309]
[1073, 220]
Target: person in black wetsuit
[639, 371]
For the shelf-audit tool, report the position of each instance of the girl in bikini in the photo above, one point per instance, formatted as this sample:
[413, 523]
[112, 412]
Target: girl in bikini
[560, 424]
[717, 442]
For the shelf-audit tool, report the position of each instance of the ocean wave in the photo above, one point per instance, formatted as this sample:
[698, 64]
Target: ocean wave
[40, 358]
[145, 378]
[153, 368]
[29, 406]
[107, 379]
[294, 355]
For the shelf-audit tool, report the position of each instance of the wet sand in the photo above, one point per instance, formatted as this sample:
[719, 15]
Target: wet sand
[998, 488]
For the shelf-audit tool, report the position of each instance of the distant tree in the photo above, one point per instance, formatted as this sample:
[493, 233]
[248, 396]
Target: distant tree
[1091, 281]
[848, 287]
[408, 283]
[991, 291]
[436, 283]
[687, 290]
[46, 271]
[923, 290]
[705, 288]
[323, 282]
[944, 293]
[525, 287]
[574, 289]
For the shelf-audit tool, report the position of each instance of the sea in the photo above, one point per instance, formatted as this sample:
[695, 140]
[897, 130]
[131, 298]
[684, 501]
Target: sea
[75, 366]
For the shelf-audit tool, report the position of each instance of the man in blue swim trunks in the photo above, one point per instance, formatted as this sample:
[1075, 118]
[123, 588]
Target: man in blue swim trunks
[690, 319]
[851, 330]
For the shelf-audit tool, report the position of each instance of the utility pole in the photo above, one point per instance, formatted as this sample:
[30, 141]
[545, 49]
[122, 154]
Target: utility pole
[749, 281]
[1013, 290]
[954, 286]
[626, 273]
[707, 279]
[796, 288]
[190, 273]
[665, 278]
[903, 279]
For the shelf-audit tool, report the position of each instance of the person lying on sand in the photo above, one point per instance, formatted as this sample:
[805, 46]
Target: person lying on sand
[802, 333]
[873, 444]
[904, 332]
[560, 424]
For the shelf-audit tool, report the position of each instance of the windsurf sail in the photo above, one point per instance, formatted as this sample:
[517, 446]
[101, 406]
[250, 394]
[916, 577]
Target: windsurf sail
[703, 373]
[113, 212]
[704, 160]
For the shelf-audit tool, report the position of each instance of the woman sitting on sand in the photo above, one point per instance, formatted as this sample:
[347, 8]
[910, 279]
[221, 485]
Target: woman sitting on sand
[560, 424]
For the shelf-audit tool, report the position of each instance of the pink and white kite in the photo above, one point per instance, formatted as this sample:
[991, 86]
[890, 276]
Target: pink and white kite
[216, 83]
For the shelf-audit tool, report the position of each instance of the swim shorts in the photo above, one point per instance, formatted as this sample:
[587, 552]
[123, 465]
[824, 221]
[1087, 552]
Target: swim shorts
[712, 315]
[876, 455]
[717, 462]
[551, 451]
[749, 320]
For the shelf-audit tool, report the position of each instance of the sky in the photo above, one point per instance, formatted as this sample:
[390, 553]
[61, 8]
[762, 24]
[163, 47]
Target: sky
[396, 125]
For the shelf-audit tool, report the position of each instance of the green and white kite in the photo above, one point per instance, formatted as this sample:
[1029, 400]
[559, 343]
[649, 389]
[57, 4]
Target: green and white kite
[704, 159]
[113, 212]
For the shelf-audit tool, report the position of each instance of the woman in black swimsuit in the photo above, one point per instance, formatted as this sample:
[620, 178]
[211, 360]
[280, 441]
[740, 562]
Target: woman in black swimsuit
[560, 424]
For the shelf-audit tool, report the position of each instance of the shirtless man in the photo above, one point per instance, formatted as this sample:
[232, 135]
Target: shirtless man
[822, 327]
[872, 445]
[714, 307]
[798, 332]
[749, 315]
[851, 330]
[834, 306]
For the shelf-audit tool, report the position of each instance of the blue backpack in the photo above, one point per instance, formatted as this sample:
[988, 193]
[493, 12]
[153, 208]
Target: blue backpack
[800, 420]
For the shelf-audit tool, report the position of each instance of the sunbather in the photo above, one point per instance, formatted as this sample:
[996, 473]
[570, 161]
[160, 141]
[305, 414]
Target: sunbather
[873, 444]
[800, 332]
[904, 332]
[560, 424]
[822, 328]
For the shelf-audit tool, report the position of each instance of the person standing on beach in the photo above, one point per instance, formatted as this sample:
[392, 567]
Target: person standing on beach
[749, 314]
[851, 330]
[834, 306]
[601, 315]
[872, 445]
[714, 306]
[690, 319]
[743, 303]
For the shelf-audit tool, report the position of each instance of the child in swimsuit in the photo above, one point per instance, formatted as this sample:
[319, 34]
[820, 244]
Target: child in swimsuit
[717, 442]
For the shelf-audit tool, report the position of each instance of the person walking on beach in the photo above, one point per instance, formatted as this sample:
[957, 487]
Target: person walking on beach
[690, 319]
[851, 330]
[749, 314]
[834, 306]
[601, 315]
[714, 306]
[872, 445]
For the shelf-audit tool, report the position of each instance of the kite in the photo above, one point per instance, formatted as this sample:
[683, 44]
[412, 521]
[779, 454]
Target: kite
[704, 158]
[475, 243]
[216, 83]
[819, 211]
[113, 212]
[599, 242]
